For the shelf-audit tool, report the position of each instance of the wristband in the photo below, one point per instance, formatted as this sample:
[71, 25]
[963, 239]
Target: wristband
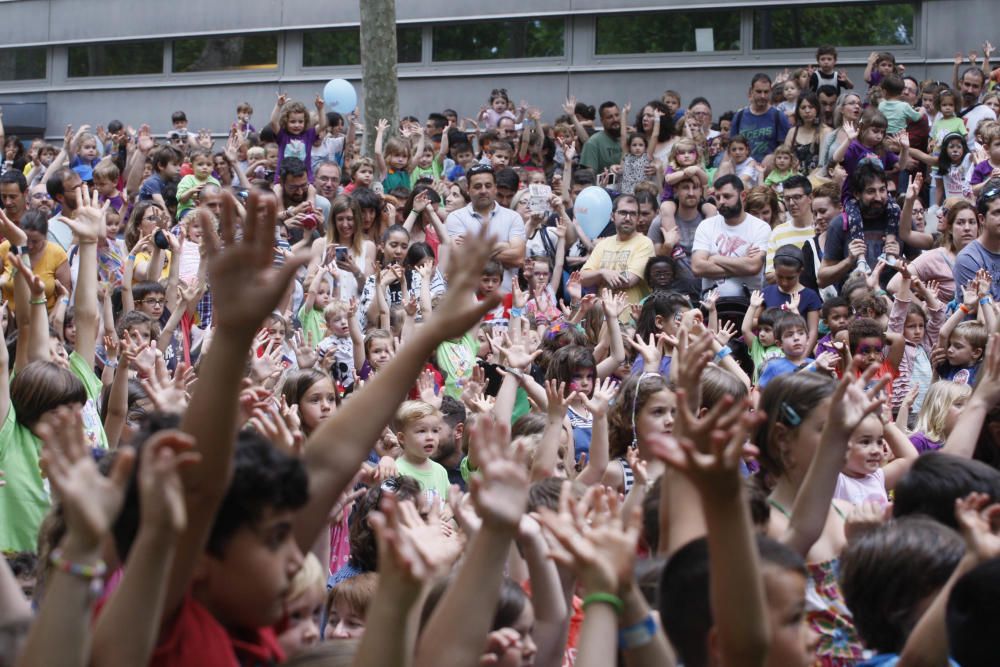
[91, 573]
[517, 312]
[19, 249]
[131, 257]
[965, 309]
[111, 363]
[985, 301]
[637, 635]
[39, 302]
[606, 598]
[723, 353]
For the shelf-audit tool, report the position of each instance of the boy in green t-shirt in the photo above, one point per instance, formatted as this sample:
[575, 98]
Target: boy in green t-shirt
[762, 346]
[418, 429]
[191, 185]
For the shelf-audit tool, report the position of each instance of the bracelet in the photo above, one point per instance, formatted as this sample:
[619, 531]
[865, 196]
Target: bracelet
[517, 312]
[131, 257]
[965, 309]
[606, 598]
[111, 363]
[88, 572]
[724, 352]
[39, 302]
[637, 635]
[985, 301]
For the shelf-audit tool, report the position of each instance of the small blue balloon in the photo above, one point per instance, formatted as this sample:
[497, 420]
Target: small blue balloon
[593, 210]
[339, 95]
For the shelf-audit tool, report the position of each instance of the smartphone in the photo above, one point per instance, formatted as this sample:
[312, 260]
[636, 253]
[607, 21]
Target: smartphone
[340, 253]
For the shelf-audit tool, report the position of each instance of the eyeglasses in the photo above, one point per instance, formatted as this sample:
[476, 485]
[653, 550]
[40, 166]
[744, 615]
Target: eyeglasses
[628, 214]
[295, 187]
[41, 196]
[155, 302]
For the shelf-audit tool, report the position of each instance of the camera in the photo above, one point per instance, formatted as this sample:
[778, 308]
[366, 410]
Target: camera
[160, 240]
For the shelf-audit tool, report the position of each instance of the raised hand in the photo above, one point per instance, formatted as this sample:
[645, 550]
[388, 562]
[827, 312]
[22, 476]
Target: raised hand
[500, 488]
[851, 402]
[599, 401]
[88, 225]
[597, 538]
[245, 284]
[648, 349]
[428, 392]
[270, 423]
[90, 501]
[167, 394]
[979, 521]
[161, 491]
[726, 332]
[35, 283]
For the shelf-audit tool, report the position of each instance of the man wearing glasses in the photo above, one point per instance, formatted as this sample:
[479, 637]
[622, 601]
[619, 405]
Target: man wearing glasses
[984, 252]
[796, 192]
[618, 262]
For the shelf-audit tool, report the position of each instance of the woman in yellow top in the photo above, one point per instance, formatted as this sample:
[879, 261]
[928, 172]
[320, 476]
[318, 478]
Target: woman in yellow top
[48, 259]
[147, 217]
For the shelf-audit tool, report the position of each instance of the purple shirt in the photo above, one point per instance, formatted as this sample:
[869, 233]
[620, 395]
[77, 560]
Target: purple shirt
[857, 153]
[925, 444]
[296, 145]
[981, 172]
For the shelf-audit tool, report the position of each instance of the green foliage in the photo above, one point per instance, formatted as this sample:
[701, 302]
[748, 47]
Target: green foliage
[21, 64]
[342, 46]
[116, 59]
[206, 54]
[666, 32]
[846, 25]
[488, 40]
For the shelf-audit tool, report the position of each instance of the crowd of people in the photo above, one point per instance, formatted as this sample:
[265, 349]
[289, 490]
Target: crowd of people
[279, 401]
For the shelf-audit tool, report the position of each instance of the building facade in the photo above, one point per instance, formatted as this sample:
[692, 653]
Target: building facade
[73, 61]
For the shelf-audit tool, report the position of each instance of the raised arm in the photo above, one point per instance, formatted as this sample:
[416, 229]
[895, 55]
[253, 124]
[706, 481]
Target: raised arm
[276, 112]
[964, 436]
[88, 226]
[335, 450]
[246, 287]
[380, 168]
[907, 234]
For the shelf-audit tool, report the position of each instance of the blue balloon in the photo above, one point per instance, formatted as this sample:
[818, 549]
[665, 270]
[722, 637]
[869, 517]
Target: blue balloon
[593, 210]
[339, 95]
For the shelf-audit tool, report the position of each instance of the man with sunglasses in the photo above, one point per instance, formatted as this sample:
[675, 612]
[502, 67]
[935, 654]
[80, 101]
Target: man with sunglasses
[984, 252]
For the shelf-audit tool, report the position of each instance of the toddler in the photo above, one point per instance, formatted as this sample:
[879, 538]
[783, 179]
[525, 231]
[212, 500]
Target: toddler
[836, 313]
[943, 403]
[636, 156]
[296, 131]
[762, 345]
[964, 353]
[864, 477]
[299, 630]
[244, 112]
[343, 347]
[191, 185]
[785, 166]
[418, 430]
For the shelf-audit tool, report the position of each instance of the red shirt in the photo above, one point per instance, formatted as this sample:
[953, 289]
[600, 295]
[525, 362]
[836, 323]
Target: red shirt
[196, 638]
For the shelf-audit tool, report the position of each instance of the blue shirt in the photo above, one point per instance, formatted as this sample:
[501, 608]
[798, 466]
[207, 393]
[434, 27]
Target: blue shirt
[809, 300]
[972, 258]
[779, 366]
[151, 186]
[764, 133]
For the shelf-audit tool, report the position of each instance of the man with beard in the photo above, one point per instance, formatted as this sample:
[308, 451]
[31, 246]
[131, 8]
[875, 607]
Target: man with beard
[828, 96]
[677, 242]
[729, 248]
[505, 227]
[603, 150]
[293, 191]
[840, 256]
[40, 199]
[64, 187]
[984, 252]
[973, 113]
[618, 262]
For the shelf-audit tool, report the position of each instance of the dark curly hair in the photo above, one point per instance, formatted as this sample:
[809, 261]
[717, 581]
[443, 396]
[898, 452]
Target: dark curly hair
[364, 552]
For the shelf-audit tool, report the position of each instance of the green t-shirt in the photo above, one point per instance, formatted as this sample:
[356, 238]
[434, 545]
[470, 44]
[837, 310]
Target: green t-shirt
[601, 152]
[434, 171]
[760, 355]
[187, 183]
[457, 359]
[93, 427]
[434, 481]
[313, 325]
[396, 179]
[25, 499]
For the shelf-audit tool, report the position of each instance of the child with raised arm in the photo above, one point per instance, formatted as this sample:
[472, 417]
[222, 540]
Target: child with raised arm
[296, 131]
[919, 326]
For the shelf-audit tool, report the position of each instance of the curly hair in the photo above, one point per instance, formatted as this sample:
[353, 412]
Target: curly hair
[287, 109]
[364, 552]
[633, 395]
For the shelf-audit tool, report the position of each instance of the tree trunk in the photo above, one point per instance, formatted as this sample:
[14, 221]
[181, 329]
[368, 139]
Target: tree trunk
[378, 66]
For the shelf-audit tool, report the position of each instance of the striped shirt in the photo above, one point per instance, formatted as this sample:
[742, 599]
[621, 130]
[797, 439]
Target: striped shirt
[786, 234]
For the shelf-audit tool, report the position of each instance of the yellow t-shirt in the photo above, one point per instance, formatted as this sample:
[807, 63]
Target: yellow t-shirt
[45, 267]
[632, 255]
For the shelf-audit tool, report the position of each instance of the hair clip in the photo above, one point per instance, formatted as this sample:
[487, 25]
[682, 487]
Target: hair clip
[792, 417]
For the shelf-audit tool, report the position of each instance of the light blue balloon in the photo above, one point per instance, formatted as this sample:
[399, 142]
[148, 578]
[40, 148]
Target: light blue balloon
[593, 210]
[339, 95]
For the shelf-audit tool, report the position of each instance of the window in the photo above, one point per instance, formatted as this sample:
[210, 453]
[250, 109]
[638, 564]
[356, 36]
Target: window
[206, 54]
[116, 59]
[891, 24]
[342, 46]
[668, 32]
[527, 38]
[21, 64]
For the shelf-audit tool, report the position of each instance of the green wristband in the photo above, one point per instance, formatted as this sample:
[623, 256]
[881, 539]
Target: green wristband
[606, 598]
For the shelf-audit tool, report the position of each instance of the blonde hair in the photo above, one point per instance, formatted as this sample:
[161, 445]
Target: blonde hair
[396, 146]
[411, 411]
[937, 402]
[361, 162]
[334, 308]
[107, 171]
[785, 150]
[308, 578]
[256, 153]
[356, 592]
[683, 142]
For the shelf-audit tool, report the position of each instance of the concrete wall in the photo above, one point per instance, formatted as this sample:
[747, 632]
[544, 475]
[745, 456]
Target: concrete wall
[943, 26]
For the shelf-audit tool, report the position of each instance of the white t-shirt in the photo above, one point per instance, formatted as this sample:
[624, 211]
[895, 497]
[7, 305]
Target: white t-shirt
[974, 118]
[715, 237]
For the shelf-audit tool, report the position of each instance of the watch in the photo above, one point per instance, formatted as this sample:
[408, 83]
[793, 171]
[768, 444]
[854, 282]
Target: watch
[19, 249]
